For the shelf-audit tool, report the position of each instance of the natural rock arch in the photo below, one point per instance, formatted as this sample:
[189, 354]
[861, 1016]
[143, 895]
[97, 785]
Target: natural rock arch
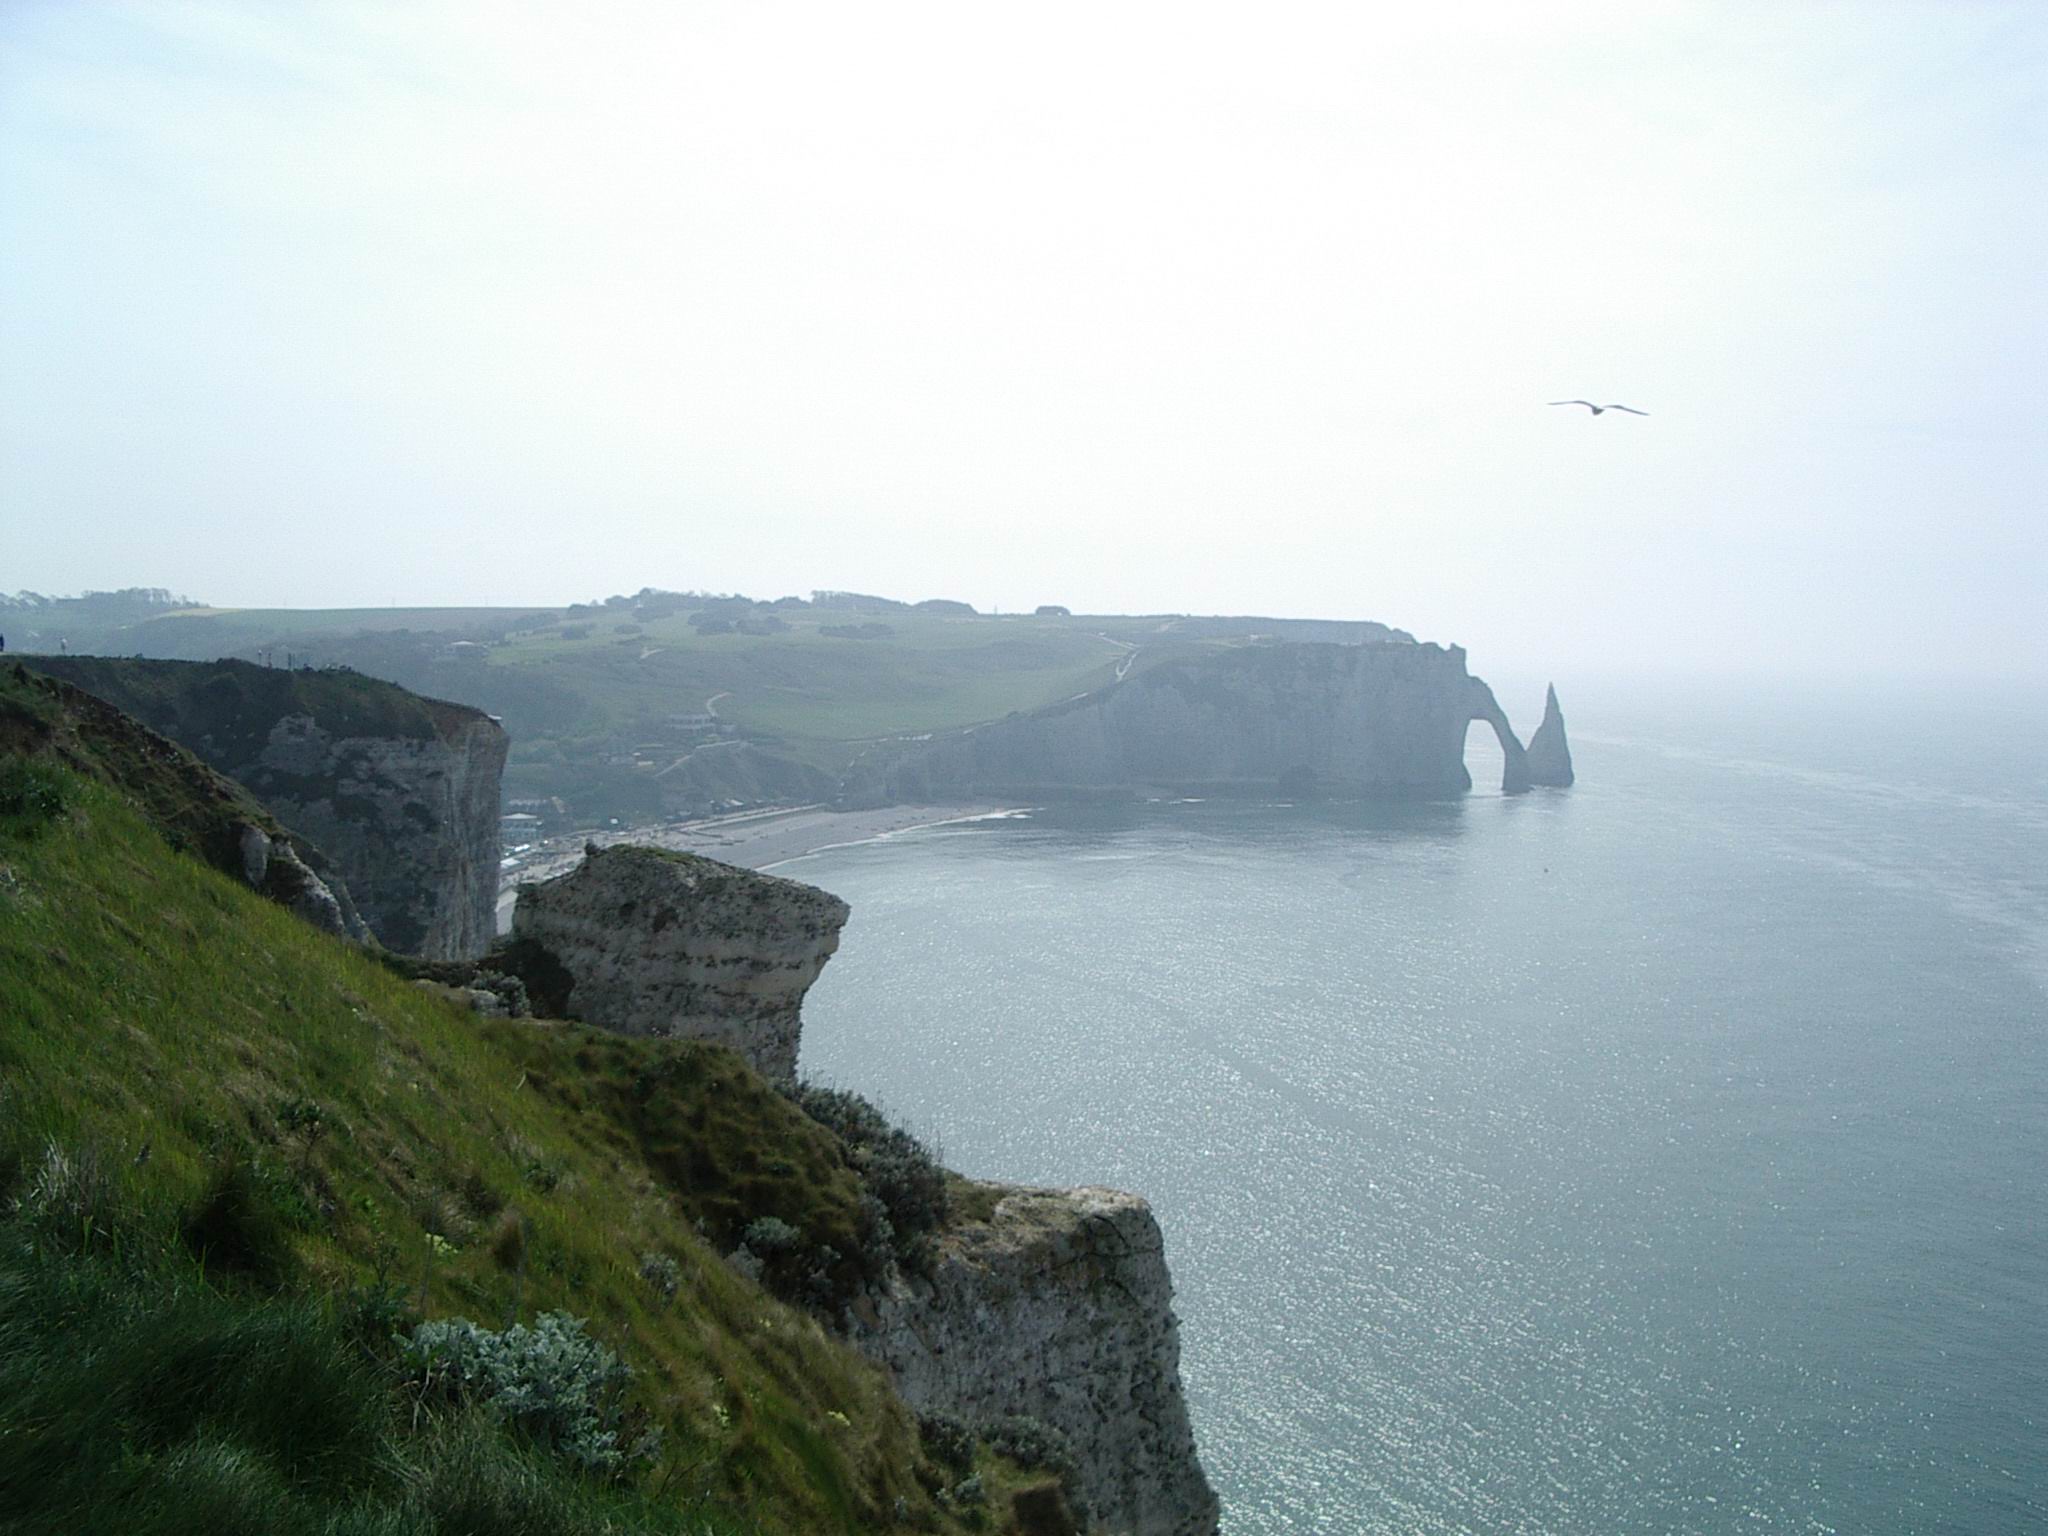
[1514, 773]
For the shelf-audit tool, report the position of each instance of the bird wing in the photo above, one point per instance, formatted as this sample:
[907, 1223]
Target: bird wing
[1629, 408]
[1589, 405]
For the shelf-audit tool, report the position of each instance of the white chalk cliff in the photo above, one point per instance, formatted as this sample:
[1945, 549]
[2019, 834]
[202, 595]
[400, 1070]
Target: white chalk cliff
[1377, 719]
[1059, 1308]
[661, 943]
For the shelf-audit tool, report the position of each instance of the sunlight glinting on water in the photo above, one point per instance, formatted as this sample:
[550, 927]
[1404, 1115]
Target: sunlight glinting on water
[1662, 1156]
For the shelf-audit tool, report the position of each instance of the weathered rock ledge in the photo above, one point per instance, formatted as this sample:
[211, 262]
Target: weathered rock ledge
[650, 942]
[1057, 1307]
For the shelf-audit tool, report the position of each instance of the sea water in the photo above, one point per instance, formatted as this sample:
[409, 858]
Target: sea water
[1669, 1154]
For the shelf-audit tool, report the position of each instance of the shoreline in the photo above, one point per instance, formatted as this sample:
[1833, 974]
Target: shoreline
[757, 840]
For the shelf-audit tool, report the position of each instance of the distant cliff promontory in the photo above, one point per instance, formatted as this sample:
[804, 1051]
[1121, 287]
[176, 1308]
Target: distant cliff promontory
[1375, 719]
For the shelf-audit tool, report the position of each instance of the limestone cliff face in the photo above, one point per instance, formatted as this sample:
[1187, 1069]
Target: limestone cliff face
[398, 791]
[650, 942]
[1380, 719]
[412, 821]
[1550, 756]
[1058, 1307]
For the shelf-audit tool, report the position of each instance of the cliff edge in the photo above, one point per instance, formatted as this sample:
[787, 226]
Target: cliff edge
[1058, 1307]
[400, 792]
[1053, 1305]
[198, 809]
[649, 942]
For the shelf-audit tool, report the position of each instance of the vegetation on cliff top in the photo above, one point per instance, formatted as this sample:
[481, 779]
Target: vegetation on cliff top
[233, 705]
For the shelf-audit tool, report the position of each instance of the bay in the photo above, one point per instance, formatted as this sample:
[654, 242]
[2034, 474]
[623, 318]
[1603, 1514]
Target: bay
[1665, 1154]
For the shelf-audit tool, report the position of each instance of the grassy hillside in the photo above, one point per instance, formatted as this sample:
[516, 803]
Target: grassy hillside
[235, 1151]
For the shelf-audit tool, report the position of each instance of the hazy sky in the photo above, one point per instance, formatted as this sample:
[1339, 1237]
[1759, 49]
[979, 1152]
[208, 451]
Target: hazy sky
[1249, 308]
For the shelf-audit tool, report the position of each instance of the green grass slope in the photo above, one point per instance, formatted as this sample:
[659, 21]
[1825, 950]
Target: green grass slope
[236, 1155]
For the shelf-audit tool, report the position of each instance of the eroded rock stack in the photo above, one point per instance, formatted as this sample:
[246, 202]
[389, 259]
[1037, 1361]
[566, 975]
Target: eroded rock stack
[650, 942]
[1549, 755]
[1057, 1307]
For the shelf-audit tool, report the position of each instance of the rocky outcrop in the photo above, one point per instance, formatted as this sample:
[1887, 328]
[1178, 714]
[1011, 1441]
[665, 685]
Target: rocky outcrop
[274, 866]
[1550, 755]
[1058, 1307]
[650, 942]
[400, 792]
[1375, 719]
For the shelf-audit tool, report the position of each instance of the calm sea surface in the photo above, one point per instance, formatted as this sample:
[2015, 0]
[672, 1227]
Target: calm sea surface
[1667, 1154]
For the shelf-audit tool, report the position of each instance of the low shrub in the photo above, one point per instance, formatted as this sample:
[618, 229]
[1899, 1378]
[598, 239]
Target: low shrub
[1034, 1444]
[771, 1237]
[947, 1440]
[1030, 1442]
[560, 1388]
[896, 1168]
[31, 794]
[663, 1276]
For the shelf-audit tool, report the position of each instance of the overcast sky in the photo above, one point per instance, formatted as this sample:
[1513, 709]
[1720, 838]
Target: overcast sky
[1249, 308]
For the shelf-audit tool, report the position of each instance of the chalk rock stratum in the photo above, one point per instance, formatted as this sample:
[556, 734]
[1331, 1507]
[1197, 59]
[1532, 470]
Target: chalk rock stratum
[1058, 1307]
[651, 942]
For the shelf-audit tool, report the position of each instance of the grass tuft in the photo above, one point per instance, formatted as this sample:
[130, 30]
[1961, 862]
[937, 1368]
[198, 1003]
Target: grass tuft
[235, 1230]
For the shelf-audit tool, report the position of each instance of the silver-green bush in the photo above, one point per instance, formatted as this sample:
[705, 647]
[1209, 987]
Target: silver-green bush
[553, 1382]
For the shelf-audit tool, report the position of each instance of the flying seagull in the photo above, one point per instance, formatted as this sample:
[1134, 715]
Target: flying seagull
[1597, 409]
